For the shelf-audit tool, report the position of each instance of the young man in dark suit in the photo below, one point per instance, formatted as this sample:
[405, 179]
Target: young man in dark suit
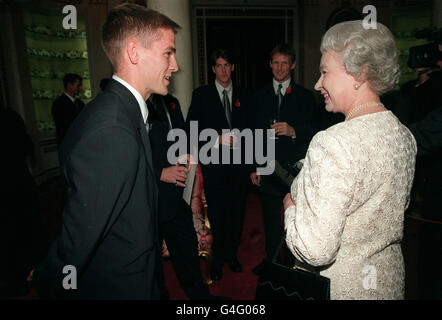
[108, 247]
[67, 107]
[296, 114]
[221, 105]
[174, 214]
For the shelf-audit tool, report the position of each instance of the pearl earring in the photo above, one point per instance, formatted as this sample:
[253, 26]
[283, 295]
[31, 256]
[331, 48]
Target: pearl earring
[356, 86]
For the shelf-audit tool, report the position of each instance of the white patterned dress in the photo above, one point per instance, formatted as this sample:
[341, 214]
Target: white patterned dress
[350, 198]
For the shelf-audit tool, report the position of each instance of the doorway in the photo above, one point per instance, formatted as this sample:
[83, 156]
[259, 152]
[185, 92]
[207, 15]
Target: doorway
[248, 33]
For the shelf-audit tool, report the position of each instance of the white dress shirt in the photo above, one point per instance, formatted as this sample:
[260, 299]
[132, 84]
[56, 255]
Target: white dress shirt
[70, 98]
[285, 85]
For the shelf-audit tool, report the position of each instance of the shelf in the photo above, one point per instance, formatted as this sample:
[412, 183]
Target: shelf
[53, 59]
[46, 37]
[57, 79]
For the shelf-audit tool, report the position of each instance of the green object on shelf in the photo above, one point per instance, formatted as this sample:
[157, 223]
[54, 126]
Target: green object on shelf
[53, 52]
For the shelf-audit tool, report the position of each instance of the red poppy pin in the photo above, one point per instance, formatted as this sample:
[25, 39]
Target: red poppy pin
[237, 104]
[172, 105]
[288, 90]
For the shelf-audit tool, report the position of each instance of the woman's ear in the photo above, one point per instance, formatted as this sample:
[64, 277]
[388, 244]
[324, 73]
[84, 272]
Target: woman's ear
[364, 75]
[361, 78]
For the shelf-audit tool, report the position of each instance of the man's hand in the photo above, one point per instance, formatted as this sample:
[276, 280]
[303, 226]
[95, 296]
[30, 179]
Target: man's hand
[30, 276]
[283, 129]
[288, 202]
[187, 160]
[256, 179]
[227, 139]
[176, 174]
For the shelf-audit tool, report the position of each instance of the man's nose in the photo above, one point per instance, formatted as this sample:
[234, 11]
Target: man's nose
[174, 65]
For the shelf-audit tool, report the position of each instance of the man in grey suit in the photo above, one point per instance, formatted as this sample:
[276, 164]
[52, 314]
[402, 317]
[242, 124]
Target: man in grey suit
[108, 247]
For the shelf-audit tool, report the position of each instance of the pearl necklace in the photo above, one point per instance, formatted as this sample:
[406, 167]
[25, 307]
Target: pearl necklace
[360, 107]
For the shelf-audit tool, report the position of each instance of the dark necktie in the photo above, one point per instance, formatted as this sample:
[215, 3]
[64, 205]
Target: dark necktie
[279, 99]
[227, 110]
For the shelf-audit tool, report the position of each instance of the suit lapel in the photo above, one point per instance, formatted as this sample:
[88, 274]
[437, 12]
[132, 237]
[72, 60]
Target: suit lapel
[218, 106]
[146, 145]
[272, 102]
[236, 108]
[176, 116]
[288, 93]
[134, 112]
[217, 100]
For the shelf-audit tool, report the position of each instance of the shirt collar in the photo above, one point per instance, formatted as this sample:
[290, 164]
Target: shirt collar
[140, 100]
[285, 85]
[71, 98]
[220, 88]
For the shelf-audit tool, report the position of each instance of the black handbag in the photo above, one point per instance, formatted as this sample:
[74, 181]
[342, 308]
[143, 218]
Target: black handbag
[279, 281]
[287, 172]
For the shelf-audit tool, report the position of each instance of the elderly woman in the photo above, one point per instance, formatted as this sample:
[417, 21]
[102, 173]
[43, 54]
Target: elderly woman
[346, 207]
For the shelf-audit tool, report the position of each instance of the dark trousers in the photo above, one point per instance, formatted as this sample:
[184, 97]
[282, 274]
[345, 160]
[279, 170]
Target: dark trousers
[271, 208]
[23, 239]
[272, 194]
[226, 198]
[182, 243]
[430, 242]
[430, 261]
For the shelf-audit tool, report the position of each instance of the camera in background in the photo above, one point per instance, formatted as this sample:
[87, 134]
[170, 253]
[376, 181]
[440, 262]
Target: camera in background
[427, 55]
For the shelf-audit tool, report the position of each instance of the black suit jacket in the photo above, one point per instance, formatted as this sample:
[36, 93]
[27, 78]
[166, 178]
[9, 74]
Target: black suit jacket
[206, 108]
[298, 109]
[170, 201]
[64, 111]
[109, 231]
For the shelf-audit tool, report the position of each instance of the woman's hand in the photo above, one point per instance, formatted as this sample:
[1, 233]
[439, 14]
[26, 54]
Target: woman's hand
[288, 202]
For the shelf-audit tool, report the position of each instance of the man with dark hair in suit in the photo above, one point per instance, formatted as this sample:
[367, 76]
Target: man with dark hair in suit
[108, 247]
[174, 214]
[67, 107]
[223, 106]
[103, 83]
[296, 114]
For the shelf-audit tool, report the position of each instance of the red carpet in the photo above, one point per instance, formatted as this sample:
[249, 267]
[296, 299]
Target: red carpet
[238, 286]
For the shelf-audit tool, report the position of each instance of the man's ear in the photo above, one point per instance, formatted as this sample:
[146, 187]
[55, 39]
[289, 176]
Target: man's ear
[293, 65]
[233, 67]
[132, 53]
[213, 69]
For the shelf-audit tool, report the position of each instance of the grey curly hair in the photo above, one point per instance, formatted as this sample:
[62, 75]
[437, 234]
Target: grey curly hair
[360, 48]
